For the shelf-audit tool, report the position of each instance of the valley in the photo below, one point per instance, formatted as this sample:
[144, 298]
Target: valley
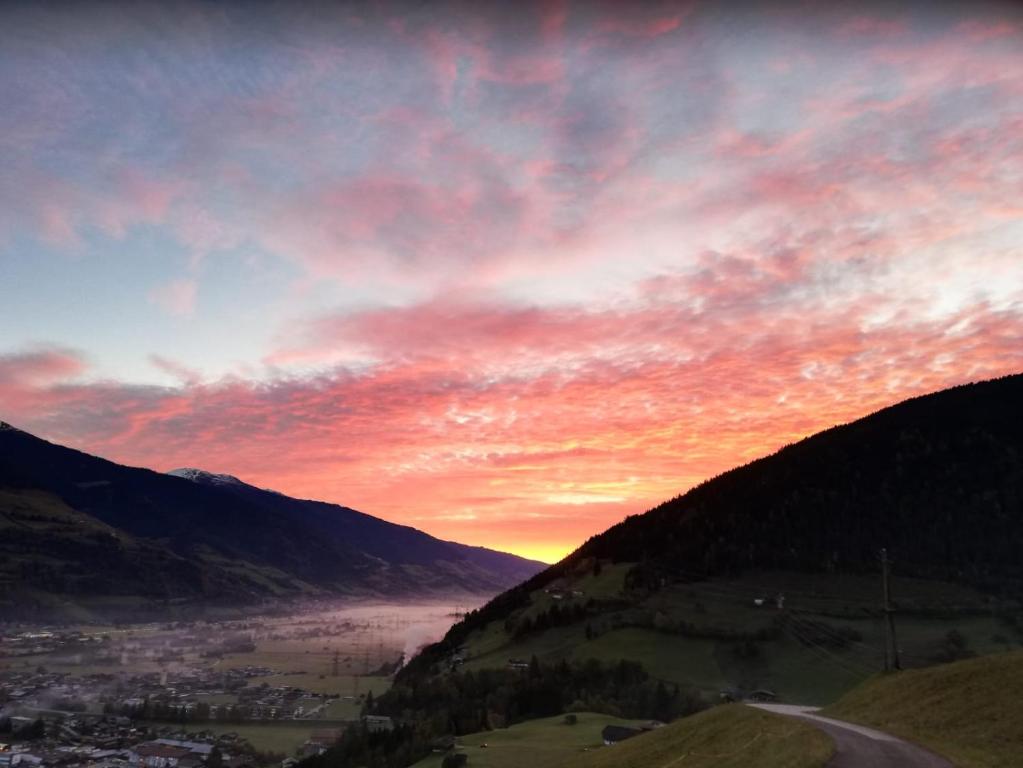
[273, 681]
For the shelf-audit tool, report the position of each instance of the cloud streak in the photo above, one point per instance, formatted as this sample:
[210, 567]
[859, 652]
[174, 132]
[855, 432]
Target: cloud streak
[504, 274]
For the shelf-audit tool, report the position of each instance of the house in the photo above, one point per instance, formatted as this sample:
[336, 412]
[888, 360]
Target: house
[612, 734]
[320, 741]
[153, 755]
[327, 736]
[442, 744]
[376, 723]
[196, 747]
[310, 749]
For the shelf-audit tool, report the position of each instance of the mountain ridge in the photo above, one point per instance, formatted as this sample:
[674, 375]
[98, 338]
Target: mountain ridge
[228, 541]
[937, 479]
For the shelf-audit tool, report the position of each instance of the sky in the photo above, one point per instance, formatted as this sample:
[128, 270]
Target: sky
[503, 272]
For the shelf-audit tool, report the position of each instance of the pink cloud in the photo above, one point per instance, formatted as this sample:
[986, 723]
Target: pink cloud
[40, 367]
[569, 417]
[593, 256]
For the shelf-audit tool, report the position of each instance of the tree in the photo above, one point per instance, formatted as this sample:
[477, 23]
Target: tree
[32, 732]
[534, 667]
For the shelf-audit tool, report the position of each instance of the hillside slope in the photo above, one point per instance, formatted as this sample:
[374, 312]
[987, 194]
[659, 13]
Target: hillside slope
[691, 588]
[726, 737]
[81, 527]
[937, 479]
[967, 710]
[732, 736]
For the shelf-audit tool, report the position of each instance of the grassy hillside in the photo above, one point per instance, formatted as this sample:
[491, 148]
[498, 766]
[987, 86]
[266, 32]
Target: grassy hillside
[49, 552]
[712, 636]
[969, 711]
[543, 743]
[731, 736]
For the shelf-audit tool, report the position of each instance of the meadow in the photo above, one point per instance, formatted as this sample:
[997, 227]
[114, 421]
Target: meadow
[731, 736]
[968, 710]
[542, 743]
[713, 636]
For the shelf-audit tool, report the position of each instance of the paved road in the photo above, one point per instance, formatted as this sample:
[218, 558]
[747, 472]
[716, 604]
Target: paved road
[860, 747]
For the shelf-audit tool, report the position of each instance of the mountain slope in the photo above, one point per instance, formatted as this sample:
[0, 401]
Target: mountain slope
[689, 589]
[937, 479]
[968, 710]
[223, 539]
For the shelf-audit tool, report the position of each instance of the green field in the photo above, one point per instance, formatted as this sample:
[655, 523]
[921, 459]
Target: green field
[969, 711]
[731, 736]
[281, 738]
[796, 659]
[543, 743]
[342, 685]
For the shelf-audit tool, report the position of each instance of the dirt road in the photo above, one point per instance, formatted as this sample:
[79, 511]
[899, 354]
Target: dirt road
[859, 747]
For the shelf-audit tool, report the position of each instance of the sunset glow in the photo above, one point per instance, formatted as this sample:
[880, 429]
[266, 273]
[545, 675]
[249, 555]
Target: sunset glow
[505, 276]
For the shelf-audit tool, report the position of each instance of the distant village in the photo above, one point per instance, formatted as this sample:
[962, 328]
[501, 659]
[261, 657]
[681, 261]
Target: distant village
[119, 718]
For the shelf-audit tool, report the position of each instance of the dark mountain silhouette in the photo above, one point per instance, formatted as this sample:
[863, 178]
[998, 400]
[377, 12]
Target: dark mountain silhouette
[76, 526]
[938, 480]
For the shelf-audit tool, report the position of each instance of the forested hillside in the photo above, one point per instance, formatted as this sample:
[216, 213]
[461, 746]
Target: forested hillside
[937, 480]
[766, 577]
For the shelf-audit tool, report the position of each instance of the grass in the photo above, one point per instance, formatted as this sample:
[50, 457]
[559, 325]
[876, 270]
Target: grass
[968, 711]
[282, 738]
[343, 685]
[542, 743]
[798, 672]
[731, 736]
[682, 660]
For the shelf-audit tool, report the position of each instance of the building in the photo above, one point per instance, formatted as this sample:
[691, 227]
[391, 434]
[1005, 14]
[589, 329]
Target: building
[326, 736]
[612, 734]
[375, 723]
[153, 755]
[320, 741]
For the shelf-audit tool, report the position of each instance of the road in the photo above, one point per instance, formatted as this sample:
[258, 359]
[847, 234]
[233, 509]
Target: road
[859, 747]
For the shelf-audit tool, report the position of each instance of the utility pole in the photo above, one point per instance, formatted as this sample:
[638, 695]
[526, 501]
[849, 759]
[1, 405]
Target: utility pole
[891, 649]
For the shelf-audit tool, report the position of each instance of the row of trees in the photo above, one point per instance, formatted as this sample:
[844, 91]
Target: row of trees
[430, 706]
[555, 616]
[155, 709]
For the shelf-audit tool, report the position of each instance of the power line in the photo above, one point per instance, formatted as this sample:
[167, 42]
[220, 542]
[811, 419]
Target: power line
[846, 664]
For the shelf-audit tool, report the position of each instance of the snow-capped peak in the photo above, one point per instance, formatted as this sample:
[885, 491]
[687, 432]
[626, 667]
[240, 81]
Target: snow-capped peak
[202, 476]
